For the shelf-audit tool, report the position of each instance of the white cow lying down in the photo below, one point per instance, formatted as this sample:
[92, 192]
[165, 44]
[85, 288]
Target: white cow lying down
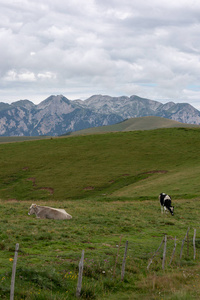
[45, 212]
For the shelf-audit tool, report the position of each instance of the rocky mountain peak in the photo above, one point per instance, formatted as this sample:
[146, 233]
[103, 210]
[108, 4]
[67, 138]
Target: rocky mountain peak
[57, 115]
[27, 104]
[53, 100]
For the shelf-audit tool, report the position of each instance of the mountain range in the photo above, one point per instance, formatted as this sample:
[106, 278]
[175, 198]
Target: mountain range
[132, 124]
[58, 115]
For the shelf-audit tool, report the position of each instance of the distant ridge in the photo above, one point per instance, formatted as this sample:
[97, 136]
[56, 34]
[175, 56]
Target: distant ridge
[58, 115]
[142, 123]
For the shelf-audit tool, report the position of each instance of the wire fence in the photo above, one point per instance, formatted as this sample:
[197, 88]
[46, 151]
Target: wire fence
[163, 249]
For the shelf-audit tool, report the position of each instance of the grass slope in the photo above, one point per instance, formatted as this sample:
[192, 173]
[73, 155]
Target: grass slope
[11, 139]
[142, 123]
[109, 184]
[115, 164]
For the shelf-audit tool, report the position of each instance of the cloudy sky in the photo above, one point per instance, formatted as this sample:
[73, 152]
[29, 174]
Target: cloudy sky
[78, 48]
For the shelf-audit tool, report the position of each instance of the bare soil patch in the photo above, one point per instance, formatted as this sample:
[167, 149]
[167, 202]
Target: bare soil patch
[89, 188]
[156, 171]
[49, 189]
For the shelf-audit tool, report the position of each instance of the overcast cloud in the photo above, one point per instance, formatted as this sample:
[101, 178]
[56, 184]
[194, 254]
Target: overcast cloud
[78, 48]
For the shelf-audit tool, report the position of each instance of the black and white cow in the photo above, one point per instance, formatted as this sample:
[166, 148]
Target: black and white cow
[165, 202]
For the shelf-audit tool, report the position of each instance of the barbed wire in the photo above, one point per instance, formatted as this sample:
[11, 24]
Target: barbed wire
[132, 246]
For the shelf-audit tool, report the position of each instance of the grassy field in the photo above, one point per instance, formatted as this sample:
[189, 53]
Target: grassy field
[110, 184]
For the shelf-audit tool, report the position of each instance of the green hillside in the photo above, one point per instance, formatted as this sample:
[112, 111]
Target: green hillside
[143, 123]
[110, 184]
[11, 139]
[125, 164]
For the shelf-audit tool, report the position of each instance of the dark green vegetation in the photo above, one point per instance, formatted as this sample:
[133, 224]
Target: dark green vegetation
[109, 184]
[142, 123]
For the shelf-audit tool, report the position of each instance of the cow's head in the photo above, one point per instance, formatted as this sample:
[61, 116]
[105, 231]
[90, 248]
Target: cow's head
[172, 210]
[32, 209]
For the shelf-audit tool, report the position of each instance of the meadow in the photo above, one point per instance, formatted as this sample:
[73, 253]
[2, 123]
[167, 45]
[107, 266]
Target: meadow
[110, 184]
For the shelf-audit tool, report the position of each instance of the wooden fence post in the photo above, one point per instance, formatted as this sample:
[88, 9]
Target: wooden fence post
[194, 237]
[124, 261]
[80, 275]
[173, 251]
[12, 288]
[117, 256]
[187, 243]
[184, 242]
[164, 253]
[151, 260]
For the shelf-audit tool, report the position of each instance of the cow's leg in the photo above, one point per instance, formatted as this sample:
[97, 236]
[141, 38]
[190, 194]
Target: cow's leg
[161, 209]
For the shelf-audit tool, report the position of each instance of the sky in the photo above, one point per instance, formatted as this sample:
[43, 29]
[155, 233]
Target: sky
[80, 48]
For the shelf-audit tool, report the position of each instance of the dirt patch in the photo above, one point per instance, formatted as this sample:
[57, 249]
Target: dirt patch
[12, 201]
[111, 181]
[155, 171]
[49, 189]
[32, 179]
[25, 168]
[89, 188]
